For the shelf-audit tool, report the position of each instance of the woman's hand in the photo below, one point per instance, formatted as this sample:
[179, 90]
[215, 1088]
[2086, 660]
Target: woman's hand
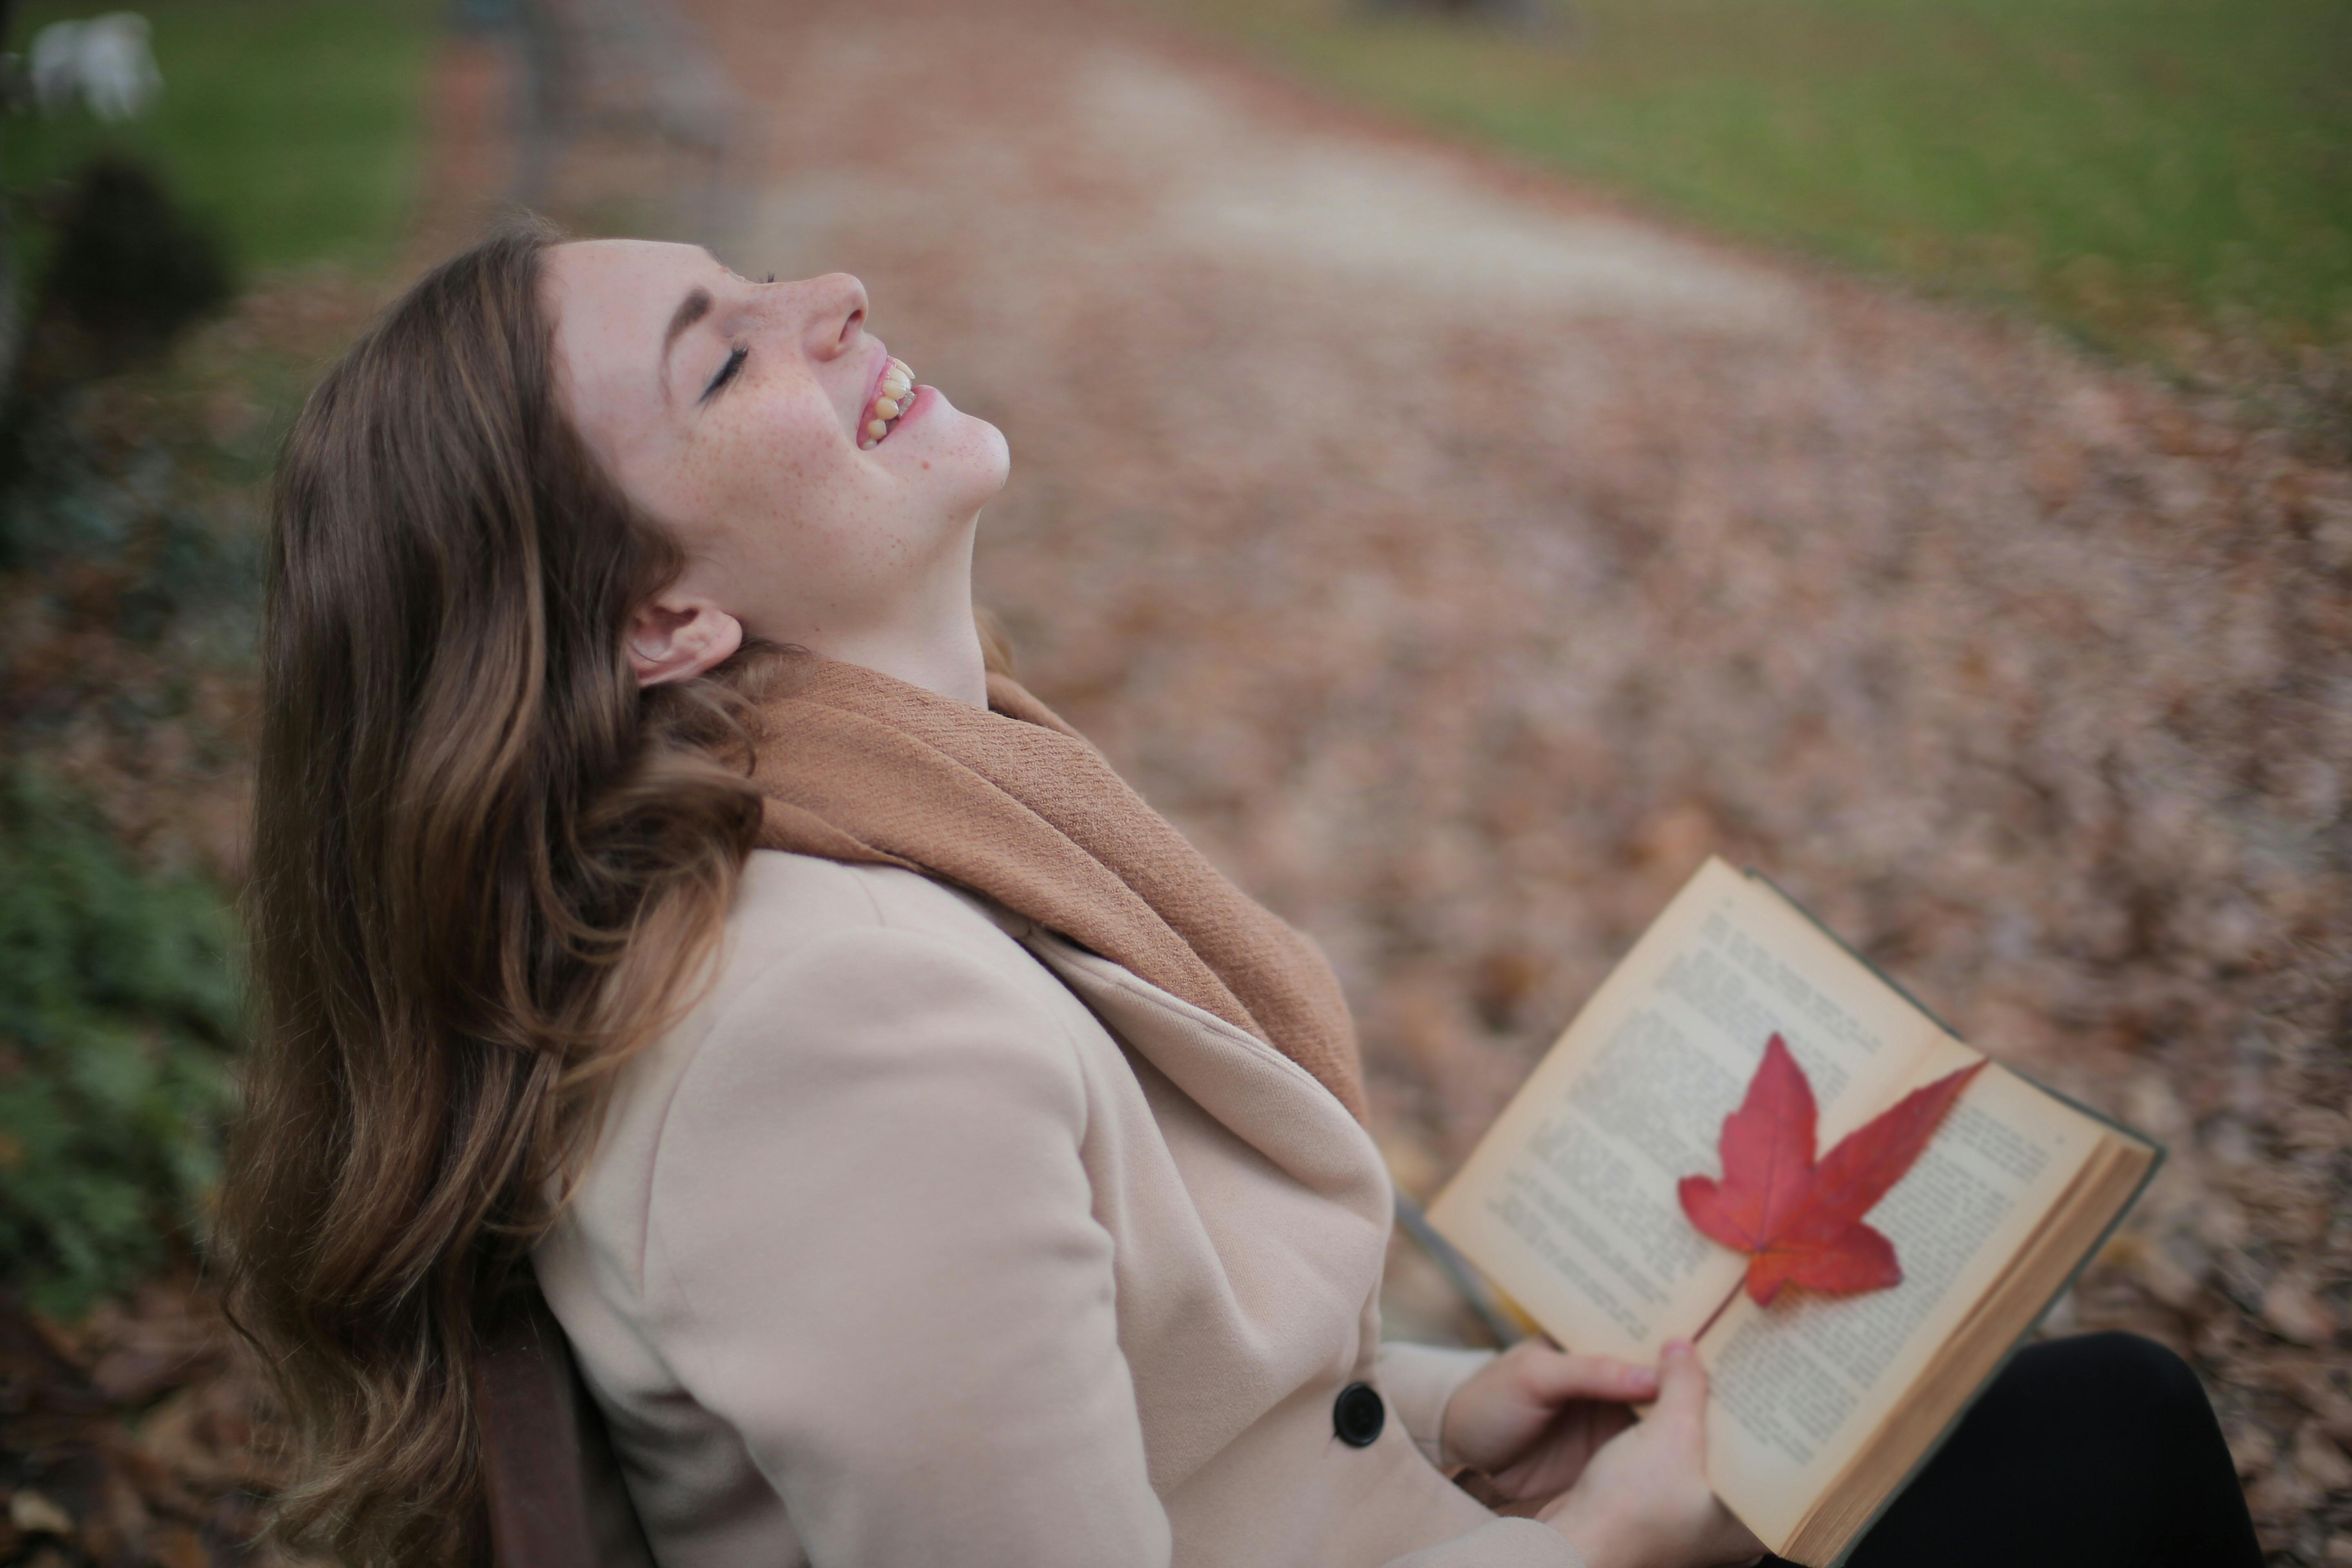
[1533, 1416]
[1643, 1501]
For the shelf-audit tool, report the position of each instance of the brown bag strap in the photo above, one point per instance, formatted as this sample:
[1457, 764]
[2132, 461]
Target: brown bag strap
[531, 1408]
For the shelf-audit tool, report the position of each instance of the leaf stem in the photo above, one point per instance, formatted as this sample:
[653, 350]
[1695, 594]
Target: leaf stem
[1721, 1307]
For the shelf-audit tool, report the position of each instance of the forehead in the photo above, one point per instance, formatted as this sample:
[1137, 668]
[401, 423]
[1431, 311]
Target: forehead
[612, 301]
[601, 267]
[618, 285]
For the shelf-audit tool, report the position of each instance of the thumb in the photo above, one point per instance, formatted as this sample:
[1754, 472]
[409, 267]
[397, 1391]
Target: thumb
[1682, 1382]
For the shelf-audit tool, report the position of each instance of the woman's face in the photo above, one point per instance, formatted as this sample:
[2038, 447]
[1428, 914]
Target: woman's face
[741, 416]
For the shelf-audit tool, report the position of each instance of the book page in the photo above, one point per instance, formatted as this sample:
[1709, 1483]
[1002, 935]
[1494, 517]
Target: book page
[1799, 1386]
[1568, 1202]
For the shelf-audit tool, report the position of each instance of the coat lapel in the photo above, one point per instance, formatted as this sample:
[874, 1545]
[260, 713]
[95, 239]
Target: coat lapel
[1261, 1096]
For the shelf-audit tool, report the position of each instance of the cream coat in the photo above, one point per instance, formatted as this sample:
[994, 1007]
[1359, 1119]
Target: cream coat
[930, 1238]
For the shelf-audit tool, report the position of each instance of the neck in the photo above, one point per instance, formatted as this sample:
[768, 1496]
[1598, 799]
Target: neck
[947, 663]
[932, 641]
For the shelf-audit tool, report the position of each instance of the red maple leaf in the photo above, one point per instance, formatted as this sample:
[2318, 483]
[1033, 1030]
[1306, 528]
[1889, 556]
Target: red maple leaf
[1801, 1223]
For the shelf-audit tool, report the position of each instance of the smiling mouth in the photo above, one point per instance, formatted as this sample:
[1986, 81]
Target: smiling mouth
[891, 400]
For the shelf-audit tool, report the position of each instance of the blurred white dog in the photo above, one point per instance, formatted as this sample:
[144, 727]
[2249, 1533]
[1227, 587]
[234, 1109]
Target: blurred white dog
[105, 62]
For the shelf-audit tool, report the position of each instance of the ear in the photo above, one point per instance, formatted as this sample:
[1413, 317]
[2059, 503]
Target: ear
[677, 637]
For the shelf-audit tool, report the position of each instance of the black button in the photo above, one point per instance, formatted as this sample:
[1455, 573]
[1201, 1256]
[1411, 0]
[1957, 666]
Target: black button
[1358, 1415]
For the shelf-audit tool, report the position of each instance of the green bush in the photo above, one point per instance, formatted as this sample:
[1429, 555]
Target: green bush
[118, 1010]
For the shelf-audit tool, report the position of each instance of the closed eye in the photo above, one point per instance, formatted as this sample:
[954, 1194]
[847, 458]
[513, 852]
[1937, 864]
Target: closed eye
[726, 374]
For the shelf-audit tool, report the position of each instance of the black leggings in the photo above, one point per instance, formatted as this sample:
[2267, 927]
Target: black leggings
[2095, 1452]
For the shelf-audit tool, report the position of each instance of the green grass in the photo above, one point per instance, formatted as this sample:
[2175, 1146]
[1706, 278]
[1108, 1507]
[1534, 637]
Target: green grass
[2142, 171]
[293, 125]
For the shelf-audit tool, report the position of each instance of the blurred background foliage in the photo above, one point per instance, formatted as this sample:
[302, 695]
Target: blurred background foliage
[2166, 179]
[290, 126]
[118, 1011]
[179, 276]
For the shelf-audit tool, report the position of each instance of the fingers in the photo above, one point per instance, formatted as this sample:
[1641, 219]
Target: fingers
[1554, 1378]
[1624, 1382]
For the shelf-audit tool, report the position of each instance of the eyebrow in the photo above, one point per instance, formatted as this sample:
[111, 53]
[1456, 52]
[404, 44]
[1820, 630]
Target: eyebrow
[691, 309]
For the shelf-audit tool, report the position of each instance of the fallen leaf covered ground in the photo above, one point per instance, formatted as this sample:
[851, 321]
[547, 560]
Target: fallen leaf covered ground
[136, 1436]
[1460, 558]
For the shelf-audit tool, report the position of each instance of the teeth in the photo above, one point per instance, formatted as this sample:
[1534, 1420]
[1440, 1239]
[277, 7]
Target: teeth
[891, 399]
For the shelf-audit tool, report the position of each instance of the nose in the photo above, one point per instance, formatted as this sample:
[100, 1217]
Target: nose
[835, 317]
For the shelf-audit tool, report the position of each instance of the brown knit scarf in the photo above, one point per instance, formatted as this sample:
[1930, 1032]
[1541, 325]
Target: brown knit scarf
[1013, 804]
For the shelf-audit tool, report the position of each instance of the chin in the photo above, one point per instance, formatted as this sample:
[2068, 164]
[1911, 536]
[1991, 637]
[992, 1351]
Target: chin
[973, 459]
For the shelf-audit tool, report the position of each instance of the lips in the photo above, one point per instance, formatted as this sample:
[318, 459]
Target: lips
[891, 399]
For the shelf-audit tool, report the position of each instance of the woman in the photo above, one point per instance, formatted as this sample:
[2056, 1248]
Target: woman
[929, 1157]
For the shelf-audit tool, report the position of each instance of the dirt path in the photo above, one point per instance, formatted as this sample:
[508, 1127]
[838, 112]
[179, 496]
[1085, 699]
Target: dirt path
[1460, 558]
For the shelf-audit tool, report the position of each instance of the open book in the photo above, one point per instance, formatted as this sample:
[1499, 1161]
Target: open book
[1821, 1407]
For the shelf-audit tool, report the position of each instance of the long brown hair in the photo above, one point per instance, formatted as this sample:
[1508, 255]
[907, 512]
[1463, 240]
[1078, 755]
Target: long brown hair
[485, 866]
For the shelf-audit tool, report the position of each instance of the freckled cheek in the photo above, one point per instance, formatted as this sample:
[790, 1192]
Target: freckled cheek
[798, 518]
[755, 472]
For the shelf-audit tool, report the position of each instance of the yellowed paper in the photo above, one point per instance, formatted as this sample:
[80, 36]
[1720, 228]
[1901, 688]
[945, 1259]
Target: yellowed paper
[1569, 1202]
